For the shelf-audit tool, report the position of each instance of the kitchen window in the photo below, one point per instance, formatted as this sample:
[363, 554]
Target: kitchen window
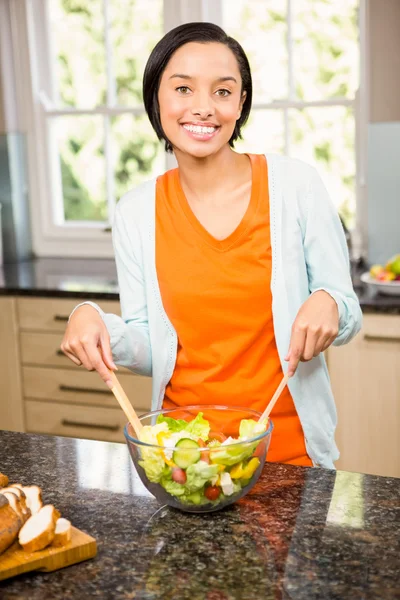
[89, 138]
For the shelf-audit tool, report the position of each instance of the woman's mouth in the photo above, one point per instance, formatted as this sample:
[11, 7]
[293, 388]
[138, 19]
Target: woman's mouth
[200, 132]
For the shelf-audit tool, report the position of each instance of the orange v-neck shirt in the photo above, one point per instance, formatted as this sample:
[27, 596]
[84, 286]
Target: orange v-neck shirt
[217, 296]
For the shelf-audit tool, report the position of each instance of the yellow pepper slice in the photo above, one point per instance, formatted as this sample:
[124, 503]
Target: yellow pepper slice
[250, 468]
[160, 440]
[237, 471]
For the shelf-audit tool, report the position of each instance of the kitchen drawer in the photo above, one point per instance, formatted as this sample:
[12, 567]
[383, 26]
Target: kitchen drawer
[381, 328]
[43, 349]
[83, 387]
[106, 424]
[51, 314]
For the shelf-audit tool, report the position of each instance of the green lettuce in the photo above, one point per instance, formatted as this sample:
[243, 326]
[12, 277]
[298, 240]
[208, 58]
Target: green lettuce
[249, 428]
[173, 488]
[152, 460]
[198, 474]
[239, 450]
[199, 427]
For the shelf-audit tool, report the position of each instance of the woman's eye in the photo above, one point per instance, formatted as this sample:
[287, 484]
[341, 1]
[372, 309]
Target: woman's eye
[223, 93]
[183, 89]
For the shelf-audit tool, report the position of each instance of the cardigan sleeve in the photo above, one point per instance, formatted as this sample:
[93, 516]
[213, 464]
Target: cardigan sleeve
[327, 258]
[129, 334]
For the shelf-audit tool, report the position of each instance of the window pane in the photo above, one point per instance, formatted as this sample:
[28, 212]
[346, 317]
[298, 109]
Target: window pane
[77, 29]
[260, 27]
[264, 132]
[79, 141]
[137, 153]
[137, 25]
[326, 51]
[325, 137]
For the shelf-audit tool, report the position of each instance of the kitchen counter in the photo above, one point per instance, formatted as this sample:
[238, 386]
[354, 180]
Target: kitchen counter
[97, 279]
[301, 534]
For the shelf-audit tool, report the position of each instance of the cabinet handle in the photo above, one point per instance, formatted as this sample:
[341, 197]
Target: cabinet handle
[380, 338]
[68, 423]
[72, 388]
[59, 352]
[60, 318]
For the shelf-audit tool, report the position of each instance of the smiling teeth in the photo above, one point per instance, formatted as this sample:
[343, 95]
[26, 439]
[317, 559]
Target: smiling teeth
[199, 129]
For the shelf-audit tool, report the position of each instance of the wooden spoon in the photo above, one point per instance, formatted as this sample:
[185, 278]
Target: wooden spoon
[126, 406]
[279, 389]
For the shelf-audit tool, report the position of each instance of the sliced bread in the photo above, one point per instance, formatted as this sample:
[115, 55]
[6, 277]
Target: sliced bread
[39, 530]
[33, 495]
[22, 500]
[62, 533]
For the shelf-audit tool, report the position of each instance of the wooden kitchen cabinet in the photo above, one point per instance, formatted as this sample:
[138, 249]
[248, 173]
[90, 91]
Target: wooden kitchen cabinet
[11, 403]
[42, 391]
[365, 377]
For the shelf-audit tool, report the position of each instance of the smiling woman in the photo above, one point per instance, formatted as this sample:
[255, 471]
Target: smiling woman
[233, 268]
[178, 79]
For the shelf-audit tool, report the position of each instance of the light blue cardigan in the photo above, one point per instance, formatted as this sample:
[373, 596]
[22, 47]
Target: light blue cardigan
[309, 253]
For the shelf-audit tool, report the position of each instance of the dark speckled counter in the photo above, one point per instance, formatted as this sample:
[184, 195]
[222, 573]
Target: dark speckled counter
[97, 279]
[301, 534]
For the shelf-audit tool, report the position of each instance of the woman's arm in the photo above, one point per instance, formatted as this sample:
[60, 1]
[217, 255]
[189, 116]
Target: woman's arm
[130, 341]
[332, 313]
[327, 258]
[128, 336]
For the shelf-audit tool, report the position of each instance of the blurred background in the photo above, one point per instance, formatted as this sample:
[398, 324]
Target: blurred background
[326, 90]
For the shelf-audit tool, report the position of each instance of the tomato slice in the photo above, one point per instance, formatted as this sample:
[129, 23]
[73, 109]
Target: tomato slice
[205, 454]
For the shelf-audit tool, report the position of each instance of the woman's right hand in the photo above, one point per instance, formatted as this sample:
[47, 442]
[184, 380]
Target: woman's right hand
[87, 342]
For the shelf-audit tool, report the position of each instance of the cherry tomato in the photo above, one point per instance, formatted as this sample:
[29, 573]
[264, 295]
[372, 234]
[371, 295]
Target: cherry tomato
[178, 475]
[212, 492]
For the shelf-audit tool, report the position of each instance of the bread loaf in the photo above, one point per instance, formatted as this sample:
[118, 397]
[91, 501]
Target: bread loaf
[10, 524]
[3, 480]
[15, 504]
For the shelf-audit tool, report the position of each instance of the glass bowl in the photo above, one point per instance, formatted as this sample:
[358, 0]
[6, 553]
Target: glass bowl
[194, 476]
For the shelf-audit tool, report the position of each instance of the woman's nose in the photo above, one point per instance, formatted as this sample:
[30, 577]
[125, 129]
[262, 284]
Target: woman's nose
[202, 107]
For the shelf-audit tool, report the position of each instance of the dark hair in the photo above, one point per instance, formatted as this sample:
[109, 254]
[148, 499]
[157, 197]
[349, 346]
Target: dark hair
[160, 56]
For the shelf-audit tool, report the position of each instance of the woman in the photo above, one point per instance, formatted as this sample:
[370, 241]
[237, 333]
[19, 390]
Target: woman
[232, 268]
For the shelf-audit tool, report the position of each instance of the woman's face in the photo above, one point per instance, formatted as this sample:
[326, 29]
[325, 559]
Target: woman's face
[200, 98]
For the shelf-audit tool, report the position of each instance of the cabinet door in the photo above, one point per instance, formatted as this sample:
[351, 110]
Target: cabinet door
[11, 405]
[365, 376]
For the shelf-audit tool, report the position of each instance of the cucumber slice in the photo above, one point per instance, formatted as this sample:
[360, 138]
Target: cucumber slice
[187, 454]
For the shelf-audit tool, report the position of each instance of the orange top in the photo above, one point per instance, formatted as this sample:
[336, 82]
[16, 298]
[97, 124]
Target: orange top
[217, 296]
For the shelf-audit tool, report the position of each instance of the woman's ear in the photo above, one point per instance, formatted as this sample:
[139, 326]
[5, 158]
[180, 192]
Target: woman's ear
[242, 101]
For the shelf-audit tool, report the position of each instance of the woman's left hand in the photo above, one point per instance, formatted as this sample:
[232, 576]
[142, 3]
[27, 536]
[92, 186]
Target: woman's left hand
[314, 329]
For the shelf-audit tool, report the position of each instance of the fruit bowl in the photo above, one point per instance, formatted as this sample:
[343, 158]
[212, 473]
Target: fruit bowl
[388, 288]
[200, 458]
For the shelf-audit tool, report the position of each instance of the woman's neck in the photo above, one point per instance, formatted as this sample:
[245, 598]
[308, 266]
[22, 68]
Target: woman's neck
[211, 178]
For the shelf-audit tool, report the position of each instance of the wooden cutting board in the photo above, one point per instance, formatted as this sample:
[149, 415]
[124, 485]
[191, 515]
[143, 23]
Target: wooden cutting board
[15, 560]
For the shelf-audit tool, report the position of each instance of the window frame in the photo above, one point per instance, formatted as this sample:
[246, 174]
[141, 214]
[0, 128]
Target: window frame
[30, 52]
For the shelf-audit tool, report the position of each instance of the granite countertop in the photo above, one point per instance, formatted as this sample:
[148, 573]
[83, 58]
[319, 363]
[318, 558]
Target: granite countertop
[300, 534]
[97, 279]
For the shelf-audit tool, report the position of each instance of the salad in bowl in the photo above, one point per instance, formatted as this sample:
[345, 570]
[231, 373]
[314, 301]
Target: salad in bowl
[200, 458]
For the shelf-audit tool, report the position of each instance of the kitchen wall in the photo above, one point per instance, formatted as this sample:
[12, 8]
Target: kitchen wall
[383, 165]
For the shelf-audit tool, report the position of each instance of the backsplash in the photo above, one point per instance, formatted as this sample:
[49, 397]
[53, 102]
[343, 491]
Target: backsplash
[383, 177]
